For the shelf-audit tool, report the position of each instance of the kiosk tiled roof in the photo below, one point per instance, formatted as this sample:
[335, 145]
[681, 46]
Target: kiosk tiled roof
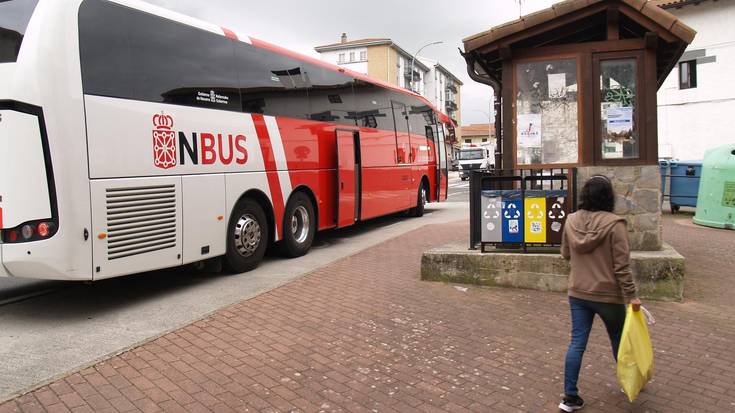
[649, 8]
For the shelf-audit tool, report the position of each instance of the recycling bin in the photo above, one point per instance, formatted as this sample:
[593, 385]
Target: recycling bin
[492, 212]
[716, 202]
[557, 210]
[535, 216]
[512, 205]
[684, 183]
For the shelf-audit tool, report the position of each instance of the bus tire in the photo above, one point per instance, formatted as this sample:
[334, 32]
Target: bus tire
[299, 226]
[247, 237]
[421, 200]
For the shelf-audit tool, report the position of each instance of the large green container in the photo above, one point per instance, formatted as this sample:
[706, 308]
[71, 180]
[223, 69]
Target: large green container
[716, 202]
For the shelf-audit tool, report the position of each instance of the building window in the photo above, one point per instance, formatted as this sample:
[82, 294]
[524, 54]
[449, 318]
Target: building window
[341, 58]
[688, 74]
[484, 139]
[363, 56]
[352, 56]
[468, 141]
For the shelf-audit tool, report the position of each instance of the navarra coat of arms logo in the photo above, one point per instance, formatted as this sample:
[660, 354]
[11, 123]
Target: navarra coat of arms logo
[164, 141]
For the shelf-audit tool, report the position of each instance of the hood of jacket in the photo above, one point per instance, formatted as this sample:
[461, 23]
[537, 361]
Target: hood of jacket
[585, 230]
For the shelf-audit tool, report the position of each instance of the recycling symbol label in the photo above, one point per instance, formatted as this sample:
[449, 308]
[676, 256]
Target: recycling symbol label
[515, 214]
[557, 211]
[535, 212]
[495, 214]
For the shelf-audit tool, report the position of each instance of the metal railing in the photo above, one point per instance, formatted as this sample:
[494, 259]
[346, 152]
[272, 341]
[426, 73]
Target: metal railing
[514, 210]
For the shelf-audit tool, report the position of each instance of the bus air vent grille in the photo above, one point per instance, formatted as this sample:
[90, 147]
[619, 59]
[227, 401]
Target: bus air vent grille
[140, 220]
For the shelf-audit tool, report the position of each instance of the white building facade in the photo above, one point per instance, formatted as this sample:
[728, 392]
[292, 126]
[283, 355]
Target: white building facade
[443, 89]
[697, 100]
[355, 58]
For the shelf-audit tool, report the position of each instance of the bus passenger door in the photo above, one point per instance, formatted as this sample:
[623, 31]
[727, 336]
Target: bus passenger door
[442, 167]
[348, 177]
[404, 159]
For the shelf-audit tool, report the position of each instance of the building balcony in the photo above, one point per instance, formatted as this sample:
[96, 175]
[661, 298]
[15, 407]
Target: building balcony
[451, 106]
[452, 88]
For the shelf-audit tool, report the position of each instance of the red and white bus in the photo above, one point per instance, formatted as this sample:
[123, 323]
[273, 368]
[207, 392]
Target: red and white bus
[133, 138]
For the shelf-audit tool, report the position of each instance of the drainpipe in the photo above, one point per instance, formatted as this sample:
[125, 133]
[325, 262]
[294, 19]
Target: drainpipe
[497, 91]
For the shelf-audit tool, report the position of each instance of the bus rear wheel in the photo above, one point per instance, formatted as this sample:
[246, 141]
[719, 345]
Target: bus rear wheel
[299, 226]
[247, 237]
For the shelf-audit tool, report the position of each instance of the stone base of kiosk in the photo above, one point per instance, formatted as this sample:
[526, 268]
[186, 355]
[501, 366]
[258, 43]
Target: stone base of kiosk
[659, 274]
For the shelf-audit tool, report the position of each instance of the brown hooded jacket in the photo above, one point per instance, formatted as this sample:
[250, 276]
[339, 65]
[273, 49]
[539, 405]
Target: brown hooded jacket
[596, 244]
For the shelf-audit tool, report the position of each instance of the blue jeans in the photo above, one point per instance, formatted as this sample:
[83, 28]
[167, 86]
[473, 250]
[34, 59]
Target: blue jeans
[583, 313]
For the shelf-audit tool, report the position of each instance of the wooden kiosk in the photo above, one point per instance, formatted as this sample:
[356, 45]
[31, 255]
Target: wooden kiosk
[575, 87]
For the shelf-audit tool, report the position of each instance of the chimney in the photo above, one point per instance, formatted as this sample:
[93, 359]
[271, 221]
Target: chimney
[344, 37]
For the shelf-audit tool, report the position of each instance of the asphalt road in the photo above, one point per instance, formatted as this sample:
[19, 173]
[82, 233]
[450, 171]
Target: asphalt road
[459, 190]
[51, 328]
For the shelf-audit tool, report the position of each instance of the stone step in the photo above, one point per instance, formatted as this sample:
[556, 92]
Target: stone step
[659, 275]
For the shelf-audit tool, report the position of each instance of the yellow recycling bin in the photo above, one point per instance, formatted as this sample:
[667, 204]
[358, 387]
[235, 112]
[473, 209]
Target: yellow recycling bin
[635, 354]
[535, 231]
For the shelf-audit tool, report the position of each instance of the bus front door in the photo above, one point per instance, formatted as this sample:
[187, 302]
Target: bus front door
[348, 177]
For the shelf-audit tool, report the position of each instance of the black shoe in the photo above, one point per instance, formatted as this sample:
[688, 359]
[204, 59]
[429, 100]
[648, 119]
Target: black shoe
[571, 403]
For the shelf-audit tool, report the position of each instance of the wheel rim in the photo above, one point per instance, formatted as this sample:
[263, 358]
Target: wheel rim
[423, 196]
[300, 224]
[247, 235]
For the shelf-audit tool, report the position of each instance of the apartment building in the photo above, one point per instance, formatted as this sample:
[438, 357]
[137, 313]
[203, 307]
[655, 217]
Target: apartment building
[383, 59]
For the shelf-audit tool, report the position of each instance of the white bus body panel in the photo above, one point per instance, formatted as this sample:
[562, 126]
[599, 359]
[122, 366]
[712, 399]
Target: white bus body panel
[24, 194]
[46, 75]
[205, 217]
[121, 138]
[137, 225]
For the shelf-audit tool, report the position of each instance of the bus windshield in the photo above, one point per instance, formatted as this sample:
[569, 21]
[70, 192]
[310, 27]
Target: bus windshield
[14, 17]
[469, 155]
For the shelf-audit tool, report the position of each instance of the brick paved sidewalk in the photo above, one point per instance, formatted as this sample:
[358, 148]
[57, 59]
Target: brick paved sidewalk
[364, 334]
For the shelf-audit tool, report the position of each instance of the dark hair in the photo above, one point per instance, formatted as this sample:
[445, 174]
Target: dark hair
[597, 195]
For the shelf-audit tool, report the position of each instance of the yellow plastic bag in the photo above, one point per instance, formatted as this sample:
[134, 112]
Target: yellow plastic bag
[635, 354]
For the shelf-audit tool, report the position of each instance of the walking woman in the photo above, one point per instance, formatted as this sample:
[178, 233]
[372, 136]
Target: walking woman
[595, 241]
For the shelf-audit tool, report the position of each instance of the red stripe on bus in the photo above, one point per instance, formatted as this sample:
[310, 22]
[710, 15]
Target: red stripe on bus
[269, 160]
[229, 33]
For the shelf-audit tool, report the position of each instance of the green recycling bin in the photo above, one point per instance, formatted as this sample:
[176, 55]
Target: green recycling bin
[716, 203]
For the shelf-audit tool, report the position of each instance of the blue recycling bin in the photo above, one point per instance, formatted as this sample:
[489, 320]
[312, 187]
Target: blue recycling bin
[684, 183]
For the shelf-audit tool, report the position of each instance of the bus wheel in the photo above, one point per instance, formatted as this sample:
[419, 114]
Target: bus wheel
[247, 237]
[421, 201]
[299, 226]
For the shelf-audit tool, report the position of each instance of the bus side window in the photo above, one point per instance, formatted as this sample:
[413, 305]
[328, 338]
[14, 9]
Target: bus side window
[272, 84]
[183, 65]
[104, 50]
[373, 108]
[331, 98]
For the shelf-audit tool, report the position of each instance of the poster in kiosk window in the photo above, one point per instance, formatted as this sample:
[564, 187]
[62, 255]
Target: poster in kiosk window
[492, 216]
[512, 217]
[557, 210]
[535, 207]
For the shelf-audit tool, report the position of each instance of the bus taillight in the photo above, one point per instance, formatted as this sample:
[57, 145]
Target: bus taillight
[27, 232]
[43, 229]
[30, 231]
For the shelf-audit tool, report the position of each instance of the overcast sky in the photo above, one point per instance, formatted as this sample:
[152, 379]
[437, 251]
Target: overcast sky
[302, 25]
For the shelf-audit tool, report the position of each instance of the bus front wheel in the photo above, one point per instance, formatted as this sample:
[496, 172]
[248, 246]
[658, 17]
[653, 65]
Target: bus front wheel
[247, 237]
[299, 226]
[421, 201]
